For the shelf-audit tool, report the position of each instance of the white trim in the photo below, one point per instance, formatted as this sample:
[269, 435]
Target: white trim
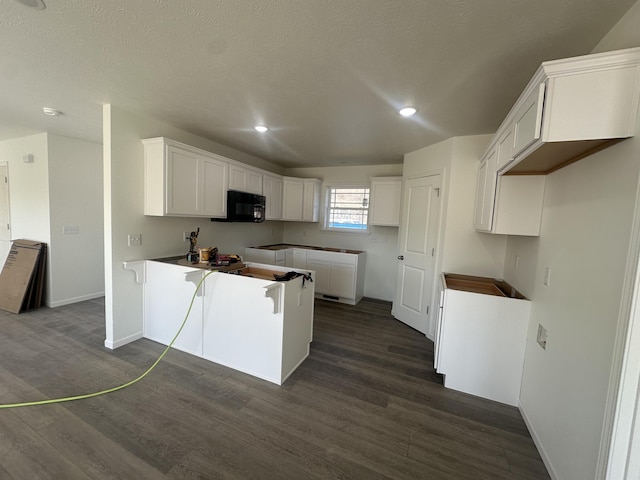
[68, 301]
[538, 443]
[123, 341]
[621, 429]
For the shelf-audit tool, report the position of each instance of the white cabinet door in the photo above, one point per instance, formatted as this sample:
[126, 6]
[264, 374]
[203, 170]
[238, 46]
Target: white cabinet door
[292, 196]
[505, 148]
[181, 182]
[272, 190]
[245, 179]
[299, 258]
[385, 201]
[485, 193]
[343, 280]
[311, 199]
[528, 120]
[213, 188]
[323, 275]
[300, 199]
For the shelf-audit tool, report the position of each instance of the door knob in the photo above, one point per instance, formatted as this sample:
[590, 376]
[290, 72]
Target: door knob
[400, 257]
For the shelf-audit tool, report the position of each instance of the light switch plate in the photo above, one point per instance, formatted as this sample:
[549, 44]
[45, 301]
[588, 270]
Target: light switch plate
[547, 275]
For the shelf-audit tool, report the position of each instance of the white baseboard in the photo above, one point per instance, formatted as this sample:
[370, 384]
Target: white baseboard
[112, 345]
[68, 301]
[536, 440]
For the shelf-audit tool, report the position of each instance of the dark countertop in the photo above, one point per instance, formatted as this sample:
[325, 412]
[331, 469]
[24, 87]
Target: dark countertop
[284, 246]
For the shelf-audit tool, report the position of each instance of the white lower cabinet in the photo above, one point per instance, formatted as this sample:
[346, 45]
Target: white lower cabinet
[339, 275]
[481, 336]
[249, 323]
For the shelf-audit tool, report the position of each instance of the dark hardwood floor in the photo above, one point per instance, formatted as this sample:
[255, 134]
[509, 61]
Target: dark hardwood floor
[366, 404]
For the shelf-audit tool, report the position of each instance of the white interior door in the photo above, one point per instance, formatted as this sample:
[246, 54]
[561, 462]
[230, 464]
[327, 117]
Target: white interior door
[5, 221]
[417, 254]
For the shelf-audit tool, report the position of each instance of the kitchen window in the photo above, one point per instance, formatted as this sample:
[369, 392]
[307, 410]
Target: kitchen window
[347, 209]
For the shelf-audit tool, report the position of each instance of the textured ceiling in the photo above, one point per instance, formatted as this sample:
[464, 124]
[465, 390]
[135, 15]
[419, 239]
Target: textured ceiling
[326, 76]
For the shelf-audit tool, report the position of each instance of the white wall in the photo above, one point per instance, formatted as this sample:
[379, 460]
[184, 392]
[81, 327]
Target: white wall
[584, 239]
[63, 185]
[463, 249]
[586, 227]
[161, 236]
[75, 198]
[624, 34]
[28, 187]
[381, 244]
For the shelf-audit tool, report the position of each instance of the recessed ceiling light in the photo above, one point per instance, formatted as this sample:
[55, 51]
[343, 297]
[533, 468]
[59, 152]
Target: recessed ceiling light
[37, 4]
[52, 112]
[261, 128]
[407, 111]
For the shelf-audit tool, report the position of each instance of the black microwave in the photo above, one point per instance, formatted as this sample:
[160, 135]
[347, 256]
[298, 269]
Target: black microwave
[244, 207]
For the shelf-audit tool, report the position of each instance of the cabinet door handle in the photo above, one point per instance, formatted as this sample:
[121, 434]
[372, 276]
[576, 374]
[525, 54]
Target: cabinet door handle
[400, 257]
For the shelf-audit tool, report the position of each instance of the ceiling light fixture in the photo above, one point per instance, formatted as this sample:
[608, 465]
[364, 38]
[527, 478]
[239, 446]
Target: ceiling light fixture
[52, 112]
[35, 4]
[261, 128]
[407, 111]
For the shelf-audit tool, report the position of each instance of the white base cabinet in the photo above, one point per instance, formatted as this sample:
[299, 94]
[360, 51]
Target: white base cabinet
[481, 336]
[257, 326]
[339, 276]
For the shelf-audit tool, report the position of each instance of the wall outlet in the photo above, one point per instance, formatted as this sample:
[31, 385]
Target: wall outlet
[516, 261]
[70, 230]
[542, 337]
[547, 276]
[134, 239]
[186, 236]
[373, 238]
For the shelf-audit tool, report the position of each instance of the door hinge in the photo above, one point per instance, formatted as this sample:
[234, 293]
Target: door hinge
[437, 189]
[427, 309]
[433, 252]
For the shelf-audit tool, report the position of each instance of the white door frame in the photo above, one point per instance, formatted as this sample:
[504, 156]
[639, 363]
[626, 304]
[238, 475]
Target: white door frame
[619, 457]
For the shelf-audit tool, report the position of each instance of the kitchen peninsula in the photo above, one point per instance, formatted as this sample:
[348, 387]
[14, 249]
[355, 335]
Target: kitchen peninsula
[242, 318]
[339, 273]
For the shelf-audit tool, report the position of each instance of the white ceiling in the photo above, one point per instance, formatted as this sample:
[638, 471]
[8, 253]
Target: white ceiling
[327, 76]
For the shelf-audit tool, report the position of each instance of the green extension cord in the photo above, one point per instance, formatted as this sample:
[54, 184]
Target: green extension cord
[119, 387]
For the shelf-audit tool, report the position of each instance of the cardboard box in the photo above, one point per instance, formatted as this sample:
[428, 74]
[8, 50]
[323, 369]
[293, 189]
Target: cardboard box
[22, 277]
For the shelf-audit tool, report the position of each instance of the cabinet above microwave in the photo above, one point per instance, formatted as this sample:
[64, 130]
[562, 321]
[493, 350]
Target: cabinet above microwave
[570, 109]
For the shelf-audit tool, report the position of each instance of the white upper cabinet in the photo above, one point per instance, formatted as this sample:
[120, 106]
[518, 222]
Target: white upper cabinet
[245, 179]
[508, 204]
[385, 201]
[485, 192]
[572, 108]
[300, 199]
[180, 180]
[272, 190]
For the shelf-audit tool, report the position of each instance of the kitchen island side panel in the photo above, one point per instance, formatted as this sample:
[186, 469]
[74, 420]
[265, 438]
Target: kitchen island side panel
[240, 329]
